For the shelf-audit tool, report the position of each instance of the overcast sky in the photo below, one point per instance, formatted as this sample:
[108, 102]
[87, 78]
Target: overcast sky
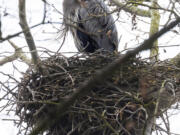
[44, 38]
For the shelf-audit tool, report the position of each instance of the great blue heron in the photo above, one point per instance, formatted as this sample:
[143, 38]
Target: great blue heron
[91, 25]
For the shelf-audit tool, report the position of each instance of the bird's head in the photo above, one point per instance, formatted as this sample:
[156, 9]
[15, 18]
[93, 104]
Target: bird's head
[71, 4]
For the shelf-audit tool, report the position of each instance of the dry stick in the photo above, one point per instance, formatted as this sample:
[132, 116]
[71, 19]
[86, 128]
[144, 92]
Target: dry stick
[56, 113]
[27, 33]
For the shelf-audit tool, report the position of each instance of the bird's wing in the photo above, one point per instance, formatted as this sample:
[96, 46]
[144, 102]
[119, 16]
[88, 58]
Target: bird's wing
[95, 19]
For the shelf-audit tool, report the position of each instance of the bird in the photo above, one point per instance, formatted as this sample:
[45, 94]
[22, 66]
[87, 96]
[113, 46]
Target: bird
[91, 24]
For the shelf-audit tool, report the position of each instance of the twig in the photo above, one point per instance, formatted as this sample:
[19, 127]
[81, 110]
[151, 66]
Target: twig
[2, 39]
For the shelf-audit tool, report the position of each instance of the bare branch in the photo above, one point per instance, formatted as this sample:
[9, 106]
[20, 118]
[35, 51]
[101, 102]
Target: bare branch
[17, 54]
[134, 10]
[8, 59]
[20, 53]
[27, 33]
[17, 34]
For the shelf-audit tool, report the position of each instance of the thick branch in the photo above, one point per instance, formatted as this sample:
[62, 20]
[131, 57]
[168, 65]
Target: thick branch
[56, 113]
[155, 19]
[27, 33]
[134, 10]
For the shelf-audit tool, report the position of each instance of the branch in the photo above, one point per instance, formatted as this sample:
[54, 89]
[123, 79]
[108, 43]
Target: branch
[27, 33]
[20, 53]
[155, 20]
[18, 33]
[134, 10]
[8, 59]
[56, 113]
[17, 54]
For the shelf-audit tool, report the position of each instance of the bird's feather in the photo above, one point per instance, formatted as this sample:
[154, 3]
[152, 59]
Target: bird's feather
[97, 28]
[95, 18]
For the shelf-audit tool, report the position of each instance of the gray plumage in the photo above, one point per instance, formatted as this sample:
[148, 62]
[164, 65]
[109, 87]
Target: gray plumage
[91, 25]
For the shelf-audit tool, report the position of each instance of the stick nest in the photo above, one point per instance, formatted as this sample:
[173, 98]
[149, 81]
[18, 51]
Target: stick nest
[119, 105]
